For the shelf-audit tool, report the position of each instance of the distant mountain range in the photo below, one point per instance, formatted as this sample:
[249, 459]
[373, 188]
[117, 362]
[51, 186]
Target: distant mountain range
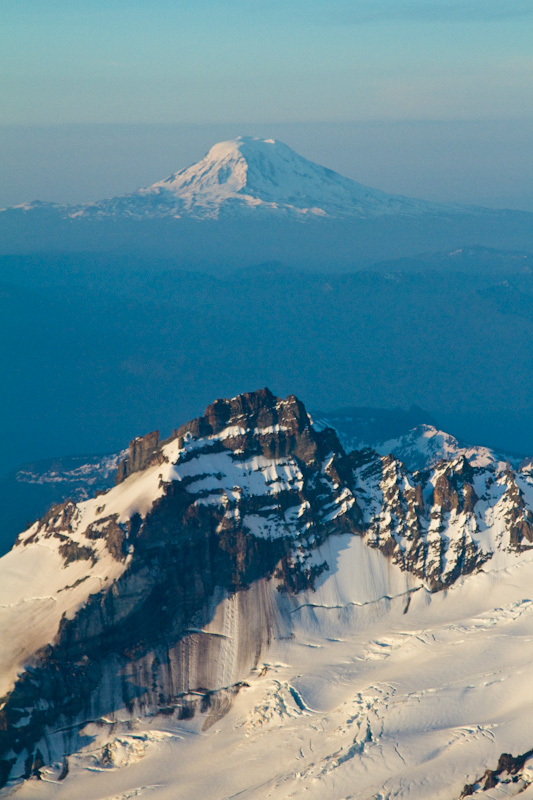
[486, 260]
[251, 200]
[99, 347]
[255, 176]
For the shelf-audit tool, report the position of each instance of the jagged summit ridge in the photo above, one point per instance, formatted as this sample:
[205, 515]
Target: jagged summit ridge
[248, 423]
[253, 176]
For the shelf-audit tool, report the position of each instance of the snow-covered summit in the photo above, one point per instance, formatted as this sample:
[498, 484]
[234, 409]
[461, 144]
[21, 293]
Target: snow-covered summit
[418, 446]
[424, 446]
[250, 175]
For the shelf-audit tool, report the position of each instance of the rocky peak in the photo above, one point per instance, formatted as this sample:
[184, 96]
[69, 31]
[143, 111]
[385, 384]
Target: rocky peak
[256, 422]
[259, 412]
[236, 510]
[242, 495]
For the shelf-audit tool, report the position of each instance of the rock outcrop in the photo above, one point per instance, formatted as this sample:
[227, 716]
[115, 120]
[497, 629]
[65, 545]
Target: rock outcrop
[508, 772]
[194, 528]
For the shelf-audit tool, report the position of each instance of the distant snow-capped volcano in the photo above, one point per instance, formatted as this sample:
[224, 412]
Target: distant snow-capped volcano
[263, 174]
[252, 175]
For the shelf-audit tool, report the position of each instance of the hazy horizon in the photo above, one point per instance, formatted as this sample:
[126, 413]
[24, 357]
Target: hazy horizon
[447, 161]
[430, 100]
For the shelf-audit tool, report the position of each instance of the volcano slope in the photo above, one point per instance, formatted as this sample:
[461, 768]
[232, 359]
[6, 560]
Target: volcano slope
[253, 612]
[250, 200]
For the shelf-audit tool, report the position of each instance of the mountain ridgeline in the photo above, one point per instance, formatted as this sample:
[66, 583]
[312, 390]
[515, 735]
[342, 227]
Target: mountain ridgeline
[160, 595]
[254, 200]
[246, 176]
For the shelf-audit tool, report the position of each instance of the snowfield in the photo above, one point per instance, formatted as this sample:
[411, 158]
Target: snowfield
[380, 690]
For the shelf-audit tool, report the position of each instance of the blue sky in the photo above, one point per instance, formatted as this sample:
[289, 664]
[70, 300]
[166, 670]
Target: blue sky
[296, 60]
[257, 64]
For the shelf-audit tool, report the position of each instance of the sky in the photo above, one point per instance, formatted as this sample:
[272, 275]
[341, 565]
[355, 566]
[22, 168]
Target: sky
[95, 96]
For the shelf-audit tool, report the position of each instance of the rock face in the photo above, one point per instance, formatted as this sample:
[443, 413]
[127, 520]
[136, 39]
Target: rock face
[182, 547]
[159, 596]
[140, 453]
[447, 521]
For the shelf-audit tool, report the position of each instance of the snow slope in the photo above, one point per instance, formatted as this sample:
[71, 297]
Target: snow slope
[363, 701]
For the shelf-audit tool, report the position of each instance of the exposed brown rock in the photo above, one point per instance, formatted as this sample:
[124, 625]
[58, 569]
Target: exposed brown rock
[114, 534]
[72, 551]
[141, 451]
[507, 765]
[519, 517]
[412, 507]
